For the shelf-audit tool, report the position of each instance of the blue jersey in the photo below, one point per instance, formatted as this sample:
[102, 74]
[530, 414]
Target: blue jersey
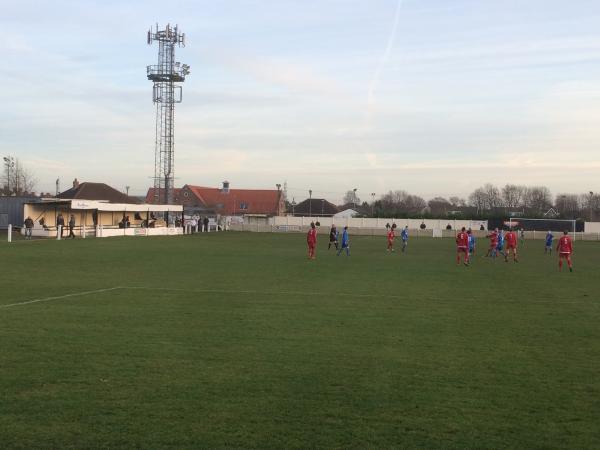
[549, 238]
[404, 234]
[500, 244]
[471, 242]
[345, 239]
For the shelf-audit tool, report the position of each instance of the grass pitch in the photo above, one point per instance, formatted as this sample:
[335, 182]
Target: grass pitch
[236, 340]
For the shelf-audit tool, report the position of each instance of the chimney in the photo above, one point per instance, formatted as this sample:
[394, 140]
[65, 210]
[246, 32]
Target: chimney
[75, 183]
[225, 189]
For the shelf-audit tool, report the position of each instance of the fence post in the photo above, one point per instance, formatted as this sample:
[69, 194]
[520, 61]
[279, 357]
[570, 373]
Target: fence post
[83, 233]
[58, 232]
[9, 232]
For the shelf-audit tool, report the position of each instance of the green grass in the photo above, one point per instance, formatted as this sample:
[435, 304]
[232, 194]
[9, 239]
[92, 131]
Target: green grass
[245, 343]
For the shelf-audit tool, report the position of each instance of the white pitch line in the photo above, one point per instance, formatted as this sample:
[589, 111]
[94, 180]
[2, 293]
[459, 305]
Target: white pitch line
[60, 297]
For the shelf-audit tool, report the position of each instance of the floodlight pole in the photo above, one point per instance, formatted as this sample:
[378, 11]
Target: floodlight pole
[591, 206]
[310, 202]
[9, 162]
[373, 203]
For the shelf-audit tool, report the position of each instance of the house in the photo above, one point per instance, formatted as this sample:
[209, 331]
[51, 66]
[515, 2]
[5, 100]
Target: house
[95, 191]
[314, 207]
[225, 201]
[156, 195]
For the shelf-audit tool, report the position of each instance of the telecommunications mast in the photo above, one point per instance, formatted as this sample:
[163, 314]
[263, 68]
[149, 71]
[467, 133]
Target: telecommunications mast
[165, 93]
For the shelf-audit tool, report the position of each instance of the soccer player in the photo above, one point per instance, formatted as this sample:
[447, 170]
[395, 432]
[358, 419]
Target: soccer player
[549, 239]
[565, 249]
[462, 246]
[472, 242]
[493, 237]
[333, 237]
[522, 236]
[404, 236]
[345, 242]
[511, 245]
[390, 238]
[311, 240]
[500, 245]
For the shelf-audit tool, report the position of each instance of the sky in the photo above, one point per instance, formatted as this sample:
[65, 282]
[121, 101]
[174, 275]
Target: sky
[435, 97]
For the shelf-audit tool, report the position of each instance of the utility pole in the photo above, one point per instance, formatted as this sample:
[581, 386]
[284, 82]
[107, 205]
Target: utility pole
[591, 206]
[372, 203]
[310, 202]
[9, 162]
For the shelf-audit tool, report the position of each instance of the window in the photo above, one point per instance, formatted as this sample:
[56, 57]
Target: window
[243, 205]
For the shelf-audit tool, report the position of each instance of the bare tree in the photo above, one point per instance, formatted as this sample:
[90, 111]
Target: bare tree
[493, 198]
[415, 204]
[538, 199]
[351, 197]
[477, 199]
[400, 202]
[568, 205]
[439, 206]
[17, 179]
[457, 202]
[512, 196]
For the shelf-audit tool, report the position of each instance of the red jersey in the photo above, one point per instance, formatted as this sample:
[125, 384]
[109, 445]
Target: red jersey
[511, 239]
[391, 235]
[565, 245]
[462, 240]
[493, 238]
[311, 237]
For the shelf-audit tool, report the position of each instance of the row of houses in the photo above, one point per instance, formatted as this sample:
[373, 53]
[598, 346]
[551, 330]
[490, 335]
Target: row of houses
[195, 200]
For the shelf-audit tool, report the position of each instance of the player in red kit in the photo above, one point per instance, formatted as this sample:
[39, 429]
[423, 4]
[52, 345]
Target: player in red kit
[564, 250]
[493, 236]
[462, 246]
[311, 240]
[511, 245]
[390, 238]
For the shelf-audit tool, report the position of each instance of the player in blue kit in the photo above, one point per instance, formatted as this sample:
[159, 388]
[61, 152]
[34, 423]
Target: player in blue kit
[404, 236]
[345, 242]
[549, 239]
[472, 242]
[500, 245]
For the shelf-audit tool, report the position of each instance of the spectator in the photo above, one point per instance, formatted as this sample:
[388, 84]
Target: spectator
[71, 226]
[205, 227]
[448, 227]
[422, 226]
[28, 227]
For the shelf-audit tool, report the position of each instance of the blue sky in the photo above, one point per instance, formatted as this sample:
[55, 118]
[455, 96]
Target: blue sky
[434, 97]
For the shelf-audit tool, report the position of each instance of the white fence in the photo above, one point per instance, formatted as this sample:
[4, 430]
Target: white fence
[376, 227]
[377, 223]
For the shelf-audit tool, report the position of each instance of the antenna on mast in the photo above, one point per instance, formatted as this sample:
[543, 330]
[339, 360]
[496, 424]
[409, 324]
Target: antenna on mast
[165, 93]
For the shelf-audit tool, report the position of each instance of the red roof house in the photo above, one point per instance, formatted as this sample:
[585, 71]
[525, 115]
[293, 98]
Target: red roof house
[229, 202]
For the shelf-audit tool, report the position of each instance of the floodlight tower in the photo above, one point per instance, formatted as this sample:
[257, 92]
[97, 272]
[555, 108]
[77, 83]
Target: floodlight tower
[165, 94]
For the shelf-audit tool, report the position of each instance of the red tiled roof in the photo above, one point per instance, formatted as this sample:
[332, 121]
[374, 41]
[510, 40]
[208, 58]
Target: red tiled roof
[150, 196]
[239, 201]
